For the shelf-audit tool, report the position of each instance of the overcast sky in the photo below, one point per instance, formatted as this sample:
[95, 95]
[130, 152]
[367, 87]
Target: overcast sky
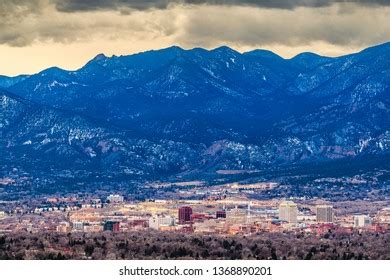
[36, 34]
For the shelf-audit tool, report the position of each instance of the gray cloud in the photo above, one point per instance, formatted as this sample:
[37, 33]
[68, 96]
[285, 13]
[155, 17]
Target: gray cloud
[88, 5]
[24, 22]
[12, 13]
[91, 5]
[18, 7]
[253, 27]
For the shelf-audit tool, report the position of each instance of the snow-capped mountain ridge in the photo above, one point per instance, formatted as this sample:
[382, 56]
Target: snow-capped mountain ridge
[252, 110]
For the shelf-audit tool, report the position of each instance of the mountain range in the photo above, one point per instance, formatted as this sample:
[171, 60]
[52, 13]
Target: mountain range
[175, 111]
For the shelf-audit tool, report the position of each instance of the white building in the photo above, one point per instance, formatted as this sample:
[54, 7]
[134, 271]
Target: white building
[115, 198]
[324, 214]
[237, 216]
[158, 221]
[288, 212]
[210, 226]
[78, 226]
[361, 221]
[63, 227]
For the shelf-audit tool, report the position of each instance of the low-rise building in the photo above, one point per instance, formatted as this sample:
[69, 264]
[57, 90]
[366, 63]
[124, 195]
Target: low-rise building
[113, 226]
[158, 221]
[236, 216]
[78, 226]
[64, 227]
[361, 221]
[220, 214]
[115, 198]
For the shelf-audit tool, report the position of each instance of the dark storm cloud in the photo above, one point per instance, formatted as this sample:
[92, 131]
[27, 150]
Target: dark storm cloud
[88, 5]
[197, 22]
[18, 7]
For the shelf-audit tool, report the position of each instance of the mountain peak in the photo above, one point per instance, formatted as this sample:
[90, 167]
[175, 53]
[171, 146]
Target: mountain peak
[173, 49]
[263, 54]
[224, 49]
[99, 57]
[309, 60]
[52, 70]
[307, 55]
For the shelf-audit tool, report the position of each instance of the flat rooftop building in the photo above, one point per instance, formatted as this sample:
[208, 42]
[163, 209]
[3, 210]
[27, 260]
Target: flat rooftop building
[288, 212]
[324, 214]
[184, 214]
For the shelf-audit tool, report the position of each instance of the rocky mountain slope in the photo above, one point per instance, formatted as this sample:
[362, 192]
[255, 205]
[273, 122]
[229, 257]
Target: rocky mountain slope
[173, 110]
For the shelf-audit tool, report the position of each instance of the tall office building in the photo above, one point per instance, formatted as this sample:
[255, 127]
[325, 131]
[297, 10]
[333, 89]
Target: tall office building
[324, 214]
[288, 211]
[185, 213]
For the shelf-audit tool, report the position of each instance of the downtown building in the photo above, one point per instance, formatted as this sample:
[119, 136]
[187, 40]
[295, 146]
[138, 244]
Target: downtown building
[236, 216]
[288, 212]
[220, 214]
[113, 226]
[156, 222]
[360, 221]
[324, 214]
[115, 198]
[184, 214]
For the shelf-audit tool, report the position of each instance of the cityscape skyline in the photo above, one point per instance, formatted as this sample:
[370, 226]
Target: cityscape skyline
[226, 216]
[195, 130]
